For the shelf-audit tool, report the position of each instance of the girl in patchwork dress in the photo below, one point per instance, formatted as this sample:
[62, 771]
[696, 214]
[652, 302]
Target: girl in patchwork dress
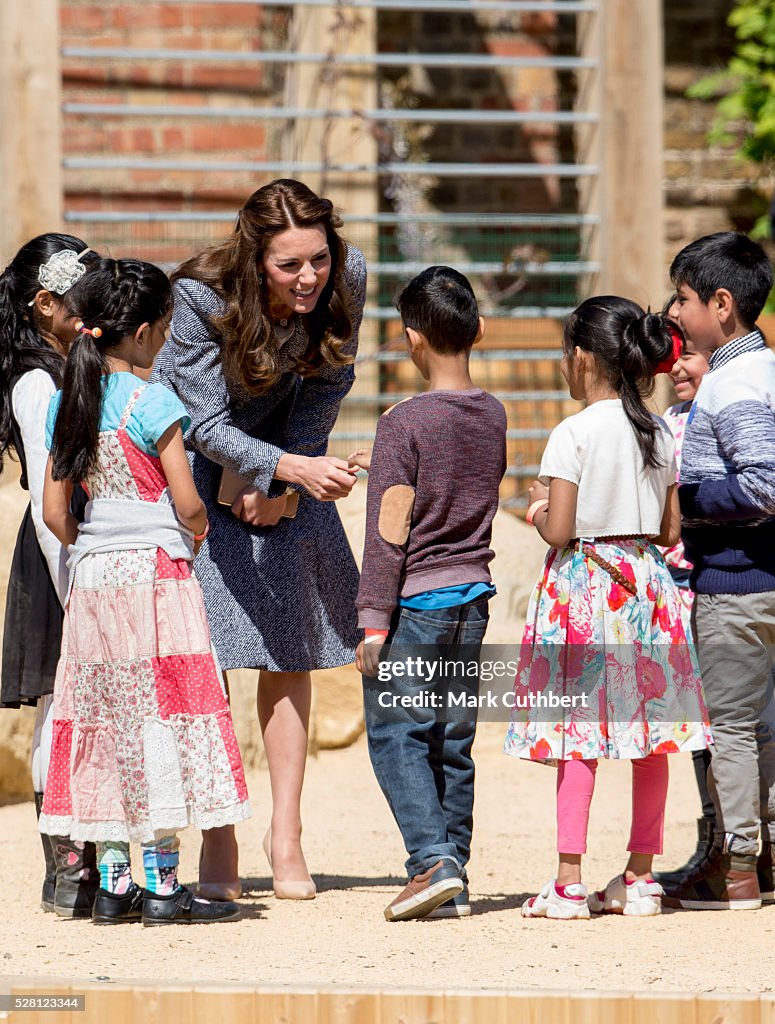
[143, 739]
[604, 630]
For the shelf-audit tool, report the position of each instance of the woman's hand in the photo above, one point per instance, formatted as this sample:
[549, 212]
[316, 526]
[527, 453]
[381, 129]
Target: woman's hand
[360, 459]
[325, 477]
[255, 508]
[537, 492]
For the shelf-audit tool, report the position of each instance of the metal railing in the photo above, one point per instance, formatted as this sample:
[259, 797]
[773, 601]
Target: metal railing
[562, 261]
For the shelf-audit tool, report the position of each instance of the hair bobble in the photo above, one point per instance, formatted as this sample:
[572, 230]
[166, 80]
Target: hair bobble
[95, 332]
[667, 364]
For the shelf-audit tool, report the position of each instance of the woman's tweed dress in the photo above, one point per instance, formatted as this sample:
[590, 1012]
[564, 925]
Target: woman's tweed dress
[279, 597]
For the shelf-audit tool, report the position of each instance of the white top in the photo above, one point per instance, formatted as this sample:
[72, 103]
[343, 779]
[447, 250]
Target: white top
[120, 524]
[618, 496]
[29, 401]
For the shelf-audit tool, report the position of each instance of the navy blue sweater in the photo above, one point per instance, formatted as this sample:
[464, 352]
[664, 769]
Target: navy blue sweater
[727, 489]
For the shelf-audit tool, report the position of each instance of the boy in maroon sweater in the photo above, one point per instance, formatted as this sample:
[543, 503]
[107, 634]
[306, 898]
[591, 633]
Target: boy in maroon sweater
[434, 474]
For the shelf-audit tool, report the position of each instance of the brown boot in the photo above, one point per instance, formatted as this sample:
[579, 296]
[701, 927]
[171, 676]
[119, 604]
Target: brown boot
[425, 892]
[724, 881]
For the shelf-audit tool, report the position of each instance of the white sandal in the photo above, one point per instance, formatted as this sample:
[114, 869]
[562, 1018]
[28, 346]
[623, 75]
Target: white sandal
[569, 904]
[641, 898]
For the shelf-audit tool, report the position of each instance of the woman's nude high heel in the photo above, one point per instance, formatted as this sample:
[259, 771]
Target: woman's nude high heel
[218, 891]
[287, 890]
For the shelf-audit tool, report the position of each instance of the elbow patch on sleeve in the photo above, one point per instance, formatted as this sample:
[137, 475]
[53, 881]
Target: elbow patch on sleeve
[395, 513]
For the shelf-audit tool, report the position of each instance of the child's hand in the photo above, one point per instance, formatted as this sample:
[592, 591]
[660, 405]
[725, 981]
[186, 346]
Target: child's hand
[251, 506]
[367, 658]
[360, 458]
[537, 492]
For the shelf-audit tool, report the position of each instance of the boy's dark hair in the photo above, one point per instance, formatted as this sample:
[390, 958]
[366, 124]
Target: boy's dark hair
[440, 304]
[115, 297]
[628, 345]
[727, 260]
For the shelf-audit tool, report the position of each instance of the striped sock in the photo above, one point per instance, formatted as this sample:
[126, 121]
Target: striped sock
[160, 861]
[114, 867]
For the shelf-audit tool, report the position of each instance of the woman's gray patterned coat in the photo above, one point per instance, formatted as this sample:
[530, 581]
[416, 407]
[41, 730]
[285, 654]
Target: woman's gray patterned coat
[279, 597]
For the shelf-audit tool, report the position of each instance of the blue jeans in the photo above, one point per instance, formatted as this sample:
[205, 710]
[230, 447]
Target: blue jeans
[421, 758]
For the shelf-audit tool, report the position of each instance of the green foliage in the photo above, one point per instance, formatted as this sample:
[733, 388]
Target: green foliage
[746, 87]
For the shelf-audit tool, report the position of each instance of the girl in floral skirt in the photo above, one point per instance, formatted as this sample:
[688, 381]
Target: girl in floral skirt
[604, 631]
[143, 742]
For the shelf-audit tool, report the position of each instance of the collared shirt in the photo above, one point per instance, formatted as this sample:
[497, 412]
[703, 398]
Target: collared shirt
[751, 342]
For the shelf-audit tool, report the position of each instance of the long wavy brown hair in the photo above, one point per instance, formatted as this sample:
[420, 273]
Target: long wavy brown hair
[232, 269]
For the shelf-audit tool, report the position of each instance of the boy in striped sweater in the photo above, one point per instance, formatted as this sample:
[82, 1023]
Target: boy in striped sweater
[727, 497]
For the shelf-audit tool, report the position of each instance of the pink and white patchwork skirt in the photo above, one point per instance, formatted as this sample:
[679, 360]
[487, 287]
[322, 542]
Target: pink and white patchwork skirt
[143, 742]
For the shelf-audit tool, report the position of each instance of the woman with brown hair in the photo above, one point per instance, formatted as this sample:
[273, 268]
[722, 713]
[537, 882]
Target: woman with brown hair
[264, 335]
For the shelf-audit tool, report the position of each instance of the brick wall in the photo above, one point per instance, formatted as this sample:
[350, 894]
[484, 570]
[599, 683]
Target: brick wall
[243, 27]
[707, 188]
[199, 26]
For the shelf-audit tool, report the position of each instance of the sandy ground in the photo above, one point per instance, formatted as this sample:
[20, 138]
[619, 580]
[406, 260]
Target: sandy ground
[356, 856]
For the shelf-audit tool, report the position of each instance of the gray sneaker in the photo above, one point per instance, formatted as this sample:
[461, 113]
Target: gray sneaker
[458, 906]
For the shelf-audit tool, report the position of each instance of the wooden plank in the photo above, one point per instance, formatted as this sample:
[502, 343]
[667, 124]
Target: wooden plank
[113, 1003]
[348, 1007]
[601, 1008]
[37, 989]
[411, 1008]
[278, 1006]
[740, 1008]
[630, 153]
[767, 1009]
[532, 1007]
[30, 123]
[476, 1008]
[210, 1004]
[154, 1005]
[664, 1008]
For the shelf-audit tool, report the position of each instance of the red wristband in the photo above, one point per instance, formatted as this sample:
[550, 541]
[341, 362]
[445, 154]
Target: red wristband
[203, 534]
[371, 636]
[535, 507]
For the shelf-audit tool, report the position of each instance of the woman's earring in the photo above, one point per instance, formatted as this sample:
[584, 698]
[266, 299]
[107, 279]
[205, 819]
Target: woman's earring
[260, 278]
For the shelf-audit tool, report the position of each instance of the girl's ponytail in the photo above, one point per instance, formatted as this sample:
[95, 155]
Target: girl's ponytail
[77, 427]
[646, 341]
[628, 345]
[113, 300]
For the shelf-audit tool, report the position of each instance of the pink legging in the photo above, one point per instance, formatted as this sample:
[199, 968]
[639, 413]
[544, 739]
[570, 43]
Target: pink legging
[575, 786]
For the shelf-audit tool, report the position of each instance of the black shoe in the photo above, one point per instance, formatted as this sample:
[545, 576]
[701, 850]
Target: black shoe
[183, 907]
[50, 877]
[705, 832]
[764, 870]
[111, 908]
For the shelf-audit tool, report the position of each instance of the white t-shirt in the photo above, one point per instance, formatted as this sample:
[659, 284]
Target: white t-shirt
[29, 401]
[597, 449]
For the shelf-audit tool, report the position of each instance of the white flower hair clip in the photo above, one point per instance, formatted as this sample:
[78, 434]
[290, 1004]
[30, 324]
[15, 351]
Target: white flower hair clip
[61, 271]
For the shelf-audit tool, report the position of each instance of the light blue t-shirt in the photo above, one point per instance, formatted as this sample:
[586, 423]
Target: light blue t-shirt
[155, 410]
[448, 597]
